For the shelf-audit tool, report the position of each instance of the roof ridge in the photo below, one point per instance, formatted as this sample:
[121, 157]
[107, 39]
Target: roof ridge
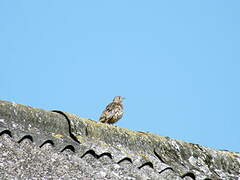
[141, 148]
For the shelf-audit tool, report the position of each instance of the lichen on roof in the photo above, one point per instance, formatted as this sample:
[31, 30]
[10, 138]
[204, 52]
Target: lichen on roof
[151, 156]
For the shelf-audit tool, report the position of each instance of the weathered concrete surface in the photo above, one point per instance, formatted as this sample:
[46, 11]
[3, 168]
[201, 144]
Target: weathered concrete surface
[100, 150]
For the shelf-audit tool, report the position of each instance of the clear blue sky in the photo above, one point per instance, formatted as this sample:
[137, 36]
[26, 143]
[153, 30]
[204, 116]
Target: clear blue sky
[177, 63]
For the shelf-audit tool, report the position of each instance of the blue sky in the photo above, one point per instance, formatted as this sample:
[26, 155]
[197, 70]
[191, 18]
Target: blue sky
[176, 63]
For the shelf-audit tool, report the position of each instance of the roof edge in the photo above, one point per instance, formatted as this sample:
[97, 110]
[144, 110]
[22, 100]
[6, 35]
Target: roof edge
[72, 128]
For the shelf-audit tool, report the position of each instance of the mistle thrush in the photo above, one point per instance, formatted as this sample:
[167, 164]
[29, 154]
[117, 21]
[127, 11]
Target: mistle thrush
[113, 112]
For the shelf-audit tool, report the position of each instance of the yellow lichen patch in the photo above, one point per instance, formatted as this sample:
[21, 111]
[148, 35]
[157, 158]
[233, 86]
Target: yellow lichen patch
[233, 154]
[230, 154]
[94, 123]
[145, 156]
[81, 139]
[57, 135]
[76, 117]
[143, 133]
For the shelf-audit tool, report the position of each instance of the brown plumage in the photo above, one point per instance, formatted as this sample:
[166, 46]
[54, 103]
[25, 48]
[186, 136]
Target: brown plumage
[113, 112]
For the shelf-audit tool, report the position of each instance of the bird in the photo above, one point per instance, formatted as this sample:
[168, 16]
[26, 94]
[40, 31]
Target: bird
[113, 111]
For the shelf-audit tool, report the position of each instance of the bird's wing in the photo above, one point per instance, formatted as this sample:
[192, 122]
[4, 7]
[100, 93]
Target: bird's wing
[107, 113]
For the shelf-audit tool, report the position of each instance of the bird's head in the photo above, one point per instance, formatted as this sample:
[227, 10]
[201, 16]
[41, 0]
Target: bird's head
[118, 99]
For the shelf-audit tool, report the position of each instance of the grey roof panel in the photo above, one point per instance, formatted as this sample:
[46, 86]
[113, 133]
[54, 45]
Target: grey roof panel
[41, 144]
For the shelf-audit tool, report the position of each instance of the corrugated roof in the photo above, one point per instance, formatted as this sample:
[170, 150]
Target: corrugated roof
[44, 144]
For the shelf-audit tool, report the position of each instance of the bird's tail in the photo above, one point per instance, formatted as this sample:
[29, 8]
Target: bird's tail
[103, 120]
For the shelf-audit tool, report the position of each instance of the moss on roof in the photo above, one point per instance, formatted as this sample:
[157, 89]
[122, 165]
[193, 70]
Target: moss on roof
[81, 135]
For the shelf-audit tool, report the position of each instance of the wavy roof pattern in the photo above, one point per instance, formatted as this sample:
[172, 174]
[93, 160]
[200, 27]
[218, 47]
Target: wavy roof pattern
[42, 144]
